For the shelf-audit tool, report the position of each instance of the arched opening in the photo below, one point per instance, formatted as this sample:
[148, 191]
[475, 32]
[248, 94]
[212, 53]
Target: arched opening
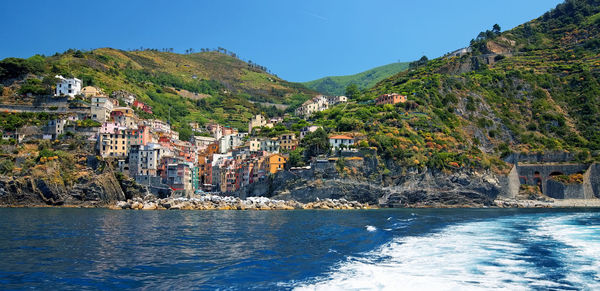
[537, 179]
[555, 173]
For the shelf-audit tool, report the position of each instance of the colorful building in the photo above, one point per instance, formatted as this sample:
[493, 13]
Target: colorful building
[393, 98]
[276, 163]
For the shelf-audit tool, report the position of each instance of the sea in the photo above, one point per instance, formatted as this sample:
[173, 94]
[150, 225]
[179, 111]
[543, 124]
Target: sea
[384, 249]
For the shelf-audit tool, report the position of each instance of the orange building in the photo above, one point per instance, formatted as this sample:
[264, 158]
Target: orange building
[393, 98]
[277, 163]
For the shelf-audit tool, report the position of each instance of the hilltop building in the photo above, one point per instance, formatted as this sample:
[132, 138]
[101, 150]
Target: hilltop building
[393, 98]
[67, 86]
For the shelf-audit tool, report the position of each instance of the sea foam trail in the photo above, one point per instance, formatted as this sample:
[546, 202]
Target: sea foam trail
[474, 256]
[580, 233]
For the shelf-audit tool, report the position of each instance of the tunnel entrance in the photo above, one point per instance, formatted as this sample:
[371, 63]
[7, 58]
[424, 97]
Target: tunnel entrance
[537, 179]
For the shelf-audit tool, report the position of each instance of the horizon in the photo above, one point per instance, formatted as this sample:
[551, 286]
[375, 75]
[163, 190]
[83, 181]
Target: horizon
[329, 39]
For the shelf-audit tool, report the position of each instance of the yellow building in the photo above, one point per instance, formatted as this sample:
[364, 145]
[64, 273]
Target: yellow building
[113, 144]
[277, 163]
[90, 91]
[288, 141]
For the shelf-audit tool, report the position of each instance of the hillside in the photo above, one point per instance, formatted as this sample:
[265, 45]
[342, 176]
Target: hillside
[197, 87]
[534, 88]
[367, 79]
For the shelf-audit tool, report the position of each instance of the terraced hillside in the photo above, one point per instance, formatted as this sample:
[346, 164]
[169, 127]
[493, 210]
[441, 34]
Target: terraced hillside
[197, 87]
[534, 88]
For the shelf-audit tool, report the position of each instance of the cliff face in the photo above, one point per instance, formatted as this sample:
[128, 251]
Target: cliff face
[95, 190]
[359, 181]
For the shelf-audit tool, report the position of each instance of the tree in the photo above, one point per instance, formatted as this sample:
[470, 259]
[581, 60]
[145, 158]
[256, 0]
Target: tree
[352, 91]
[316, 143]
[78, 54]
[496, 29]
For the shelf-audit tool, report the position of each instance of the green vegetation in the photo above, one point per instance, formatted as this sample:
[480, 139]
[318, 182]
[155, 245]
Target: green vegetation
[13, 121]
[337, 85]
[195, 87]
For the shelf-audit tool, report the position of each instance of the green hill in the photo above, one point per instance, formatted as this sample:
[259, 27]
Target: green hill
[198, 87]
[534, 88]
[367, 79]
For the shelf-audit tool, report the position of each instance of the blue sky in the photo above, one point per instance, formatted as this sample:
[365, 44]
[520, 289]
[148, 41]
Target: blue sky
[297, 40]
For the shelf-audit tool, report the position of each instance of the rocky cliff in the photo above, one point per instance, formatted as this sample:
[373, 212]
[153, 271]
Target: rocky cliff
[359, 180]
[95, 190]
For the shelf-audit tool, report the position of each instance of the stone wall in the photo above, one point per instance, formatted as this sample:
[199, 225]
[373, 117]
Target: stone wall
[532, 174]
[594, 179]
[510, 184]
[546, 157]
[558, 190]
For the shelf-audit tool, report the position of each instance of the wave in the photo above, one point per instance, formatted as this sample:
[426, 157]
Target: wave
[370, 228]
[493, 254]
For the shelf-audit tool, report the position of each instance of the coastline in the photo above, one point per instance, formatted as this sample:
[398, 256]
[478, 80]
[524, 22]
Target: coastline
[214, 202]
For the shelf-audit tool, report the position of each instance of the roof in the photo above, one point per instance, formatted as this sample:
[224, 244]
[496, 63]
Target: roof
[340, 137]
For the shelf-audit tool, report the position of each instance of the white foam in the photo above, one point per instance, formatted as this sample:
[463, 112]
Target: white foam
[473, 256]
[370, 228]
[582, 254]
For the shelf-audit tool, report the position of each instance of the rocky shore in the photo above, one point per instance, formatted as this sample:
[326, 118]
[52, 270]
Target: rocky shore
[548, 203]
[215, 202]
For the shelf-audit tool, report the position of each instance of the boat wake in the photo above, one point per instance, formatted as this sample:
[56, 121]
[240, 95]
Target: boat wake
[516, 253]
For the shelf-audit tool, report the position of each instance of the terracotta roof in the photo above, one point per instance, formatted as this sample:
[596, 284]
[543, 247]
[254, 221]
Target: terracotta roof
[340, 137]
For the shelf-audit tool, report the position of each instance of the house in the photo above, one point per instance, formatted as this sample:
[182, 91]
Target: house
[308, 129]
[202, 142]
[276, 163]
[67, 86]
[142, 106]
[127, 97]
[270, 145]
[340, 141]
[179, 177]
[90, 91]
[16, 135]
[393, 98]
[254, 144]
[288, 141]
[101, 108]
[118, 142]
[333, 100]
[316, 104]
[54, 128]
[257, 121]
[143, 160]
[124, 116]
[157, 125]
[229, 142]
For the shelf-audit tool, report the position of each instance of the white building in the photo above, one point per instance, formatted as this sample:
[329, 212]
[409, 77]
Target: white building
[143, 160]
[202, 142]
[270, 145]
[333, 100]
[101, 108]
[338, 141]
[316, 104]
[68, 87]
[229, 142]
[254, 144]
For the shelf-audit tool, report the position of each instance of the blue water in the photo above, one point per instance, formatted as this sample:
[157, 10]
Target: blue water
[428, 249]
